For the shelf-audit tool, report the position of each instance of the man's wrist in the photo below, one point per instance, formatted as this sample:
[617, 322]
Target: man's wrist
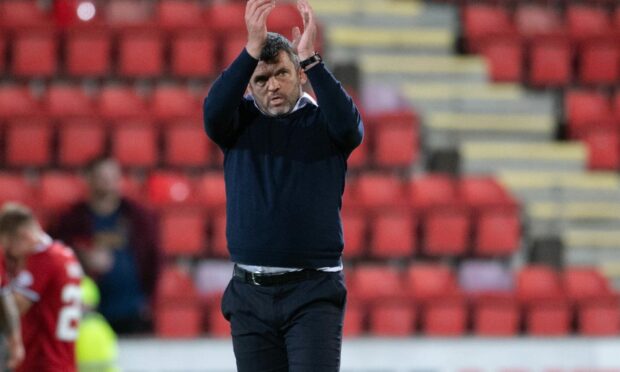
[305, 54]
[310, 61]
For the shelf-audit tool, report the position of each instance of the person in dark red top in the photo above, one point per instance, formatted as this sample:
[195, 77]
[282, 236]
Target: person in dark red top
[46, 284]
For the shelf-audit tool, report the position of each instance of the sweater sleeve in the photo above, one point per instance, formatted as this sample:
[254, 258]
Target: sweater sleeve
[226, 94]
[342, 116]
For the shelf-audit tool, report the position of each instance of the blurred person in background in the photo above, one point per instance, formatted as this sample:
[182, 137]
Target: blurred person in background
[9, 322]
[96, 347]
[46, 284]
[284, 167]
[116, 240]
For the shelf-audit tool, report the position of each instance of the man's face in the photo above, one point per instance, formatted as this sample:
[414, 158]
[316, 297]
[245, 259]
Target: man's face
[276, 87]
[22, 242]
[105, 179]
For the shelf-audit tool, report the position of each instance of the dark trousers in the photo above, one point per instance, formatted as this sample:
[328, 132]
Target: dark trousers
[287, 327]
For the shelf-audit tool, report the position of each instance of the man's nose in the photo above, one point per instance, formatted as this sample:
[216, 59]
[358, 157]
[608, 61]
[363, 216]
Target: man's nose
[273, 84]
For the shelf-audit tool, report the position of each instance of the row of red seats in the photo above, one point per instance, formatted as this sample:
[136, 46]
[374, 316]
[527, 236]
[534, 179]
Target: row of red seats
[426, 298]
[540, 51]
[592, 118]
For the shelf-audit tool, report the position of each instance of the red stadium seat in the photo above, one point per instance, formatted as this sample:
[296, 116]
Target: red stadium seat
[97, 41]
[212, 190]
[233, 45]
[80, 140]
[585, 22]
[355, 229]
[120, 102]
[547, 312]
[171, 102]
[219, 244]
[35, 52]
[429, 281]
[376, 190]
[218, 325]
[15, 188]
[375, 284]
[183, 232]
[395, 139]
[227, 18]
[584, 283]
[496, 315]
[167, 188]
[59, 190]
[283, 18]
[483, 192]
[16, 101]
[178, 320]
[353, 320]
[603, 148]
[616, 107]
[393, 234]
[187, 145]
[497, 232]
[178, 14]
[585, 110]
[28, 142]
[550, 62]
[392, 319]
[193, 54]
[175, 285]
[505, 57]
[446, 231]
[445, 318]
[22, 13]
[599, 62]
[141, 54]
[432, 190]
[3, 44]
[129, 13]
[359, 156]
[63, 100]
[135, 144]
[481, 21]
[537, 20]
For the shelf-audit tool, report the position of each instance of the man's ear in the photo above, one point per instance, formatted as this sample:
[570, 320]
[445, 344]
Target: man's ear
[303, 78]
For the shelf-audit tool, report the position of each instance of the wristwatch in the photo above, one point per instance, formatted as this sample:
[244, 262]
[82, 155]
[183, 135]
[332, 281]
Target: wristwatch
[316, 57]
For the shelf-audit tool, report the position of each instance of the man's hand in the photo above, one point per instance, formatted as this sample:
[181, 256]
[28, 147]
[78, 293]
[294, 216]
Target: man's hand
[256, 12]
[305, 42]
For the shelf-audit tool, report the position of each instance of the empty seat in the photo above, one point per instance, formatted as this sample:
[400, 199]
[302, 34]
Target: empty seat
[193, 54]
[120, 102]
[16, 101]
[227, 18]
[550, 61]
[393, 234]
[97, 41]
[15, 188]
[395, 139]
[283, 18]
[28, 142]
[183, 231]
[212, 190]
[432, 190]
[140, 54]
[585, 22]
[354, 228]
[171, 102]
[218, 325]
[135, 144]
[58, 190]
[445, 231]
[603, 148]
[481, 192]
[599, 62]
[64, 100]
[482, 21]
[168, 188]
[392, 319]
[376, 190]
[178, 320]
[353, 320]
[175, 14]
[35, 52]
[219, 244]
[497, 233]
[186, 145]
[359, 156]
[80, 141]
[584, 110]
[129, 13]
[496, 315]
[547, 312]
[233, 45]
[375, 284]
[534, 20]
[22, 13]
[429, 281]
[504, 56]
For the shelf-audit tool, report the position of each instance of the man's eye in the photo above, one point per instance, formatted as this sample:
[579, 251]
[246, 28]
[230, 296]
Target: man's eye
[282, 73]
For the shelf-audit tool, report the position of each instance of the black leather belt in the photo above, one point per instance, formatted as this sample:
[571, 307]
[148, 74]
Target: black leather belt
[274, 279]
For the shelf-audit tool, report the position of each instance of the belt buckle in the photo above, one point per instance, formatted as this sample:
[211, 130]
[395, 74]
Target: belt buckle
[253, 279]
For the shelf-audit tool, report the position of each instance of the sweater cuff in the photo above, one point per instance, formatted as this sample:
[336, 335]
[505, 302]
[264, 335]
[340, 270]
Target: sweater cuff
[244, 61]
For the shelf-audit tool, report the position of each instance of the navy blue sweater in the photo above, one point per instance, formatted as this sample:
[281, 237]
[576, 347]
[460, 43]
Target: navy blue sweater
[284, 175]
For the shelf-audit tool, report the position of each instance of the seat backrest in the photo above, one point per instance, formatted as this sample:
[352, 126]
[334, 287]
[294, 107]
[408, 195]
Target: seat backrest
[428, 281]
[583, 282]
[537, 282]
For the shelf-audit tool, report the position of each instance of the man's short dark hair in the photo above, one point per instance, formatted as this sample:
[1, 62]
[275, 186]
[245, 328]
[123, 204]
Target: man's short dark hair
[13, 216]
[276, 43]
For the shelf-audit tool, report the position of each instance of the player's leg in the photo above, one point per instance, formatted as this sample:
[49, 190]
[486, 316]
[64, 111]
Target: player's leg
[256, 343]
[314, 332]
